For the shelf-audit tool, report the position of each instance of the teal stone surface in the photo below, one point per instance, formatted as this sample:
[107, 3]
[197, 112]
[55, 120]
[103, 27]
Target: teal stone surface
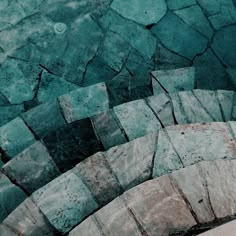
[173, 80]
[15, 137]
[224, 45]
[44, 118]
[52, 86]
[10, 196]
[179, 4]
[179, 36]
[32, 169]
[84, 102]
[9, 112]
[65, 201]
[144, 12]
[137, 119]
[138, 37]
[108, 130]
[194, 16]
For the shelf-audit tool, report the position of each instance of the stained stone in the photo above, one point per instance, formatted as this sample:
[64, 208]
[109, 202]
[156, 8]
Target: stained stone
[137, 119]
[191, 183]
[32, 169]
[197, 142]
[159, 208]
[144, 12]
[98, 176]
[12, 79]
[138, 37]
[224, 45]
[210, 102]
[162, 107]
[115, 220]
[108, 130]
[84, 102]
[52, 86]
[15, 137]
[174, 80]
[9, 112]
[49, 113]
[11, 196]
[65, 201]
[194, 109]
[132, 162]
[26, 220]
[166, 159]
[226, 99]
[220, 181]
[178, 4]
[194, 16]
[107, 51]
[71, 144]
[89, 227]
[179, 37]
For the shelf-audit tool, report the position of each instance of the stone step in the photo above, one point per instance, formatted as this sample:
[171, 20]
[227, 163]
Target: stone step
[104, 176]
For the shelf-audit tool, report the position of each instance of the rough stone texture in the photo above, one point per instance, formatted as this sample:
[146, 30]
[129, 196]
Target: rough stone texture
[108, 129]
[132, 162]
[65, 201]
[98, 176]
[26, 220]
[11, 196]
[174, 80]
[137, 119]
[15, 137]
[115, 220]
[145, 12]
[228, 229]
[44, 119]
[32, 169]
[159, 208]
[84, 102]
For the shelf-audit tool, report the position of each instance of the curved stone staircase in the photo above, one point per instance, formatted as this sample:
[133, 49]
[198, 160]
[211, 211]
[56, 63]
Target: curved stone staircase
[117, 117]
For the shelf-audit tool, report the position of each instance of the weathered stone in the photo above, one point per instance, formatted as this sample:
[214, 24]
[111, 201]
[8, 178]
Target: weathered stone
[45, 118]
[137, 119]
[132, 162]
[159, 208]
[166, 159]
[210, 102]
[197, 142]
[226, 99]
[65, 201]
[52, 86]
[191, 183]
[89, 227]
[162, 107]
[71, 144]
[174, 80]
[32, 169]
[116, 220]
[232, 126]
[108, 130]
[194, 16]
[221, 186]
[178, 4]
[144, 12]
[137, 36]
[9, 112]
[224, 45]
[15, 137]
[98, 176]
[84, 102]
[11, 196]
[179, 37]
[26, 220]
